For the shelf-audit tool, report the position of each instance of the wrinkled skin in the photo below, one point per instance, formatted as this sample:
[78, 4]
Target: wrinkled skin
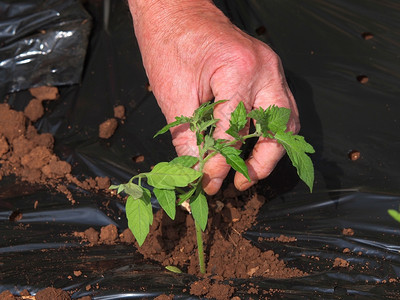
[192, 53]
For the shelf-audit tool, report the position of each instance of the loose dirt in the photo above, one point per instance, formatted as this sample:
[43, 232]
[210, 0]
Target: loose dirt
[107, 128]
[29, 155]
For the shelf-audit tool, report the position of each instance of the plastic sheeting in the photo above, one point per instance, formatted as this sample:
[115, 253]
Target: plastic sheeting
[323, 52]
[42, 43]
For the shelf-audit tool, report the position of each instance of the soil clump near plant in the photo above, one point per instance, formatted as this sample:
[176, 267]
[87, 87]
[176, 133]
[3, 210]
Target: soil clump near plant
[228, 253]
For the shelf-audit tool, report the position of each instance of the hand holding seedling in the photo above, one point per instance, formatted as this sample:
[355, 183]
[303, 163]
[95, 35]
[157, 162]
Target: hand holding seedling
[176, 181]
[193, 53]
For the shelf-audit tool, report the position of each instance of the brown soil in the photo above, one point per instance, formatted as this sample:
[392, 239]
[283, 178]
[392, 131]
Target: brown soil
[164, 297]
[229, 254]
[348, 231]
[119, 112]
[340, 262]
[29, 155]
[107, 128]
[44, 93]
[34, 110]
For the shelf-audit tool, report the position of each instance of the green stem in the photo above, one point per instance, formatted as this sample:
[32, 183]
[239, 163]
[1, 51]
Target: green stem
[200, 250]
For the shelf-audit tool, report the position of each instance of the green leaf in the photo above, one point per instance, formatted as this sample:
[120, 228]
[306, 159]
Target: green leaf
[138, 218]
[278, 118]
[232, 157]
[199, 207]
[133, 189]
[206, 124]
[173, 269]
[208, 142]
[394, 214]
[273, 119]
[185, 196]
[147, 200]
[185, 160]
[205, 111]
[119, 187]
[296, 148]
[168, 176]
[113, 187]
[199, 138]
[178, 121]
[237, 121]
[167, 200]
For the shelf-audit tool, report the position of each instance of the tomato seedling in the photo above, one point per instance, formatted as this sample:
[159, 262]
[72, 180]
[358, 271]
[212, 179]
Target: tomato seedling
[176, 181]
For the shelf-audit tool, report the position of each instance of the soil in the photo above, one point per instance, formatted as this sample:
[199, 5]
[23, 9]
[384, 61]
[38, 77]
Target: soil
[107, 128]
[48, 293]
[45, 93]
[119, 112]
[228, 254]
[34, 110]
[29, 155]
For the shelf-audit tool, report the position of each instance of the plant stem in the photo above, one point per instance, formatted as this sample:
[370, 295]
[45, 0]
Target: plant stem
[200, 250]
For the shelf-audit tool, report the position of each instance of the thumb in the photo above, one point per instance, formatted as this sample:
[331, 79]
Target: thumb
[216, 169]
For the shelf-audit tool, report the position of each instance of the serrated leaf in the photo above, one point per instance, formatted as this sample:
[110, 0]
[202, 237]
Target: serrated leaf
[199, 138]
[185, 160]
[199, 208]
[278, 118]
[206, 124]
[133, 189]
[273, 119]
[138, 218]
[208, 142]
[205, 111]
[237, 121]
[297, 149]
[178, 121]
[232, 157]
[168, 176]
[185, 196]
[394, 214]
[167, 200]
[173, 269]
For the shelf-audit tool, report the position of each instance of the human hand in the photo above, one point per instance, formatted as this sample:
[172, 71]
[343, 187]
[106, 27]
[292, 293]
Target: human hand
[192, 53]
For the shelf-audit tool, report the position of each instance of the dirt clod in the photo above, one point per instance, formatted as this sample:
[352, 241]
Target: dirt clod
[127, 237]
[107, 128]
[164, 297]
[340, 262]
[52, 294]
[109, 234]
[354, 155]
[119, 112]
[7, 295]
[362, 79]
[367, 35]
[348, 231]
[34, 110]
[44, 93]
[92, 235]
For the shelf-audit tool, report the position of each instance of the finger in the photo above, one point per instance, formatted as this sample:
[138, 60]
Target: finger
[265, 155]
[267, 152]
[216, 169]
